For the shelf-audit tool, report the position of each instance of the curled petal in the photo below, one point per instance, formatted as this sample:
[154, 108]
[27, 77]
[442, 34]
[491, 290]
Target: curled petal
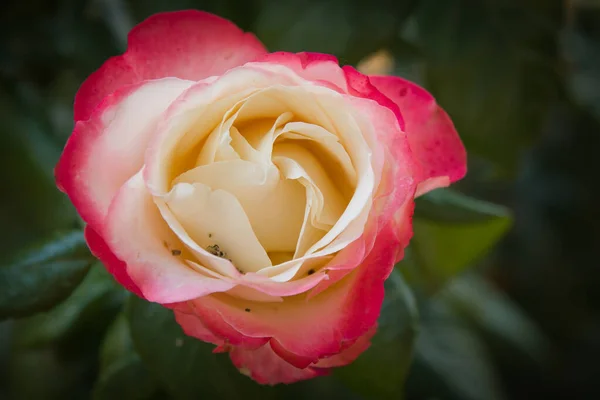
[267, 368]
[436, 146]
[350, 354]
[359, 85]
[192, 326]
[154, 256]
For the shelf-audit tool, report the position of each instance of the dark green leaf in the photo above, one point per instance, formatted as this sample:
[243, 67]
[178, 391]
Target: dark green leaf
[43, 276]
[379, 372]
[122, 373]
[450, 206]
[185, 366]
[451, 232]
[87, 311]
[450, 361]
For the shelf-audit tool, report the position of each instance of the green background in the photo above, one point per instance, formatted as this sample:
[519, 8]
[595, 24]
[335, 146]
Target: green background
[499, 293]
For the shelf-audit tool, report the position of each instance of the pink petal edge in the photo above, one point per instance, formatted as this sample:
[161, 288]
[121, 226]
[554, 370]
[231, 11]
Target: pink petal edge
[433, 139]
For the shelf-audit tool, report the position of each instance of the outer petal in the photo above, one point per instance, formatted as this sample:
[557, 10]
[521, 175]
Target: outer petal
[192, 326]
[266, 367]
[155, 258]
[359, 85]
[115, 266]
[106, 150]
[351, 353]
[434, 141]
[310, 329]
[184, 44]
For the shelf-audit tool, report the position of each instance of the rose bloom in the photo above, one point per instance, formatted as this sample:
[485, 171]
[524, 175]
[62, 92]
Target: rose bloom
[264, 197]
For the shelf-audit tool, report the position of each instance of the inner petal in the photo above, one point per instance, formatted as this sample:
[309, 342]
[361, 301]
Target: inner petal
[327, 147]
[215, 220]
[331, 203]
[260, 133]
[225, 151]
[274, 206]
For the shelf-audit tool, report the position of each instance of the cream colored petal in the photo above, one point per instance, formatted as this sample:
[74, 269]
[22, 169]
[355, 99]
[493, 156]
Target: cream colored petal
[195, 114]
[243, 148]
[225, 151]
[261, 133]
[346, 126]
[350, 224]
[228, 175]
[250, 294]
[313, 172]
[314, 198]
[217, 138]
[329, 143]
[256, 118]
[215, 218]
[179, 135]
[274, 206]
[220, 266]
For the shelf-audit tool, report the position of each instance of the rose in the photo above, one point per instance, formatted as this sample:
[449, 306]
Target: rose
[263, 197]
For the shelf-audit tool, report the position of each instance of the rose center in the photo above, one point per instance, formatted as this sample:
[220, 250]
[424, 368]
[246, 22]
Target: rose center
[264, 185]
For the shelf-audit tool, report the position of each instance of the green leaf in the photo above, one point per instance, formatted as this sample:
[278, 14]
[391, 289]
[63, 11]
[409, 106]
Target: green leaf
[449, 206]
[43, 276]
[380, 371]
[87, 311]
[122, 373]
[185, 366]
[187, 369]
[450, 361]
[451, 232]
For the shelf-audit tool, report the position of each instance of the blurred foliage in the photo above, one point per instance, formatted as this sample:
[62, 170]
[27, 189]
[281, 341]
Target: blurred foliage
[43, 276]
[463, 318]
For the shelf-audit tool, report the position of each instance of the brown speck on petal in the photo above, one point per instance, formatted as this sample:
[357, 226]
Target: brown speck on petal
[215, 250]
[247, 310]
[176, 252]
[311, 271]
